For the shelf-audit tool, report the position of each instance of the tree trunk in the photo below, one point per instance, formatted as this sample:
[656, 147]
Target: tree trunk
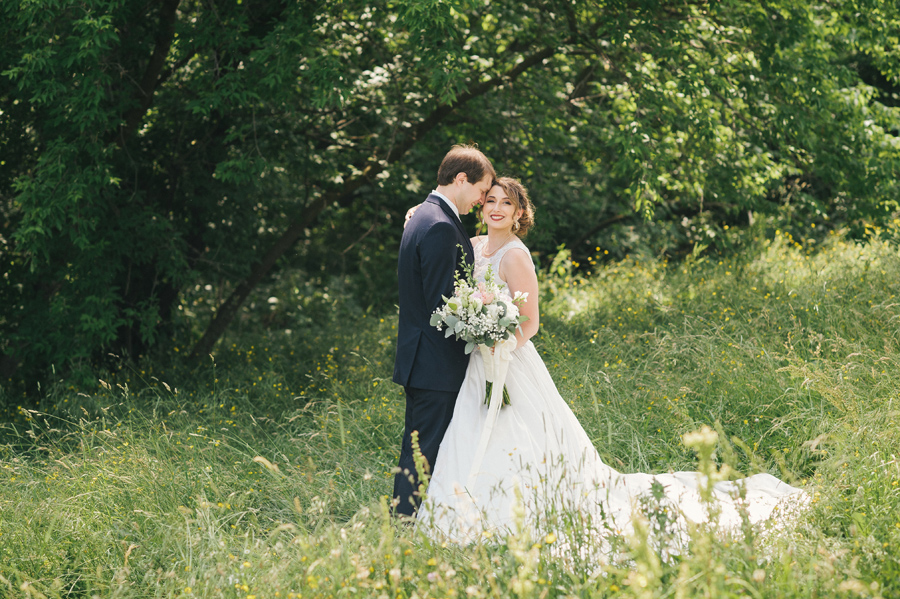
[8, 366]
[143, 95]
[229, 309]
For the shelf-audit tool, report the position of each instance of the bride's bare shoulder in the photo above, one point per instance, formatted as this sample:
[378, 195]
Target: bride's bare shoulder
[477, 239]
[518, 256]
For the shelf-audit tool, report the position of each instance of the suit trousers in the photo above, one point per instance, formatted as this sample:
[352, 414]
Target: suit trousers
[428, 412]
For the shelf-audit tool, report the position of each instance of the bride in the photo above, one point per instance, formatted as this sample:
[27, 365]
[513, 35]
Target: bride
[539, 461]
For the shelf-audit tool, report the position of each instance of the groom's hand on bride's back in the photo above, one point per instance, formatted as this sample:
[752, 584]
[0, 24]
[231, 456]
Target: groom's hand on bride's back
[409, 214]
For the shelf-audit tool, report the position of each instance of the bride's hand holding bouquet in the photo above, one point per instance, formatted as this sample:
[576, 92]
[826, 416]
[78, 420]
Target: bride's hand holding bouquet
[483, 315]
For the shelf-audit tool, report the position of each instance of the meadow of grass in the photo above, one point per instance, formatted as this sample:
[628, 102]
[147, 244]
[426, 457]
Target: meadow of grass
[264, 473]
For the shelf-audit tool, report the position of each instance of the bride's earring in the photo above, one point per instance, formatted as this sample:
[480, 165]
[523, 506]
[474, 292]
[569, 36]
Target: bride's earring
[516, 226]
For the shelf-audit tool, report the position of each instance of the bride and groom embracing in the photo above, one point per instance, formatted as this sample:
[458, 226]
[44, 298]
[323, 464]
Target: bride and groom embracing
[538, 458]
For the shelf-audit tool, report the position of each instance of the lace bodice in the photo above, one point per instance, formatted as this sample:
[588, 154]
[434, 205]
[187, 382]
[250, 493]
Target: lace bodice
[482, 262]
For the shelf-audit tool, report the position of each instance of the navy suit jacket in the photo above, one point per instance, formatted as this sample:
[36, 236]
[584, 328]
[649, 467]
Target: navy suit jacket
[428, 259]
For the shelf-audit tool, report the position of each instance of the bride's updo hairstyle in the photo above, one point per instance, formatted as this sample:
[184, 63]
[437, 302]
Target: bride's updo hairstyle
[517, 193]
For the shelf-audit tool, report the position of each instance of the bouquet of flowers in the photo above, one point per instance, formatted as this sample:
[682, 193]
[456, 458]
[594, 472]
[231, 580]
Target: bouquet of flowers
[483, 315]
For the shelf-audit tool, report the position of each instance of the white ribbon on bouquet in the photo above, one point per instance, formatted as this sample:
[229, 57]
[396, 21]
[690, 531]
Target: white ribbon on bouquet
[496, 365]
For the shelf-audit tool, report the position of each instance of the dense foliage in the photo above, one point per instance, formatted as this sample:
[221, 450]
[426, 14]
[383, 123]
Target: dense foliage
[154, 148]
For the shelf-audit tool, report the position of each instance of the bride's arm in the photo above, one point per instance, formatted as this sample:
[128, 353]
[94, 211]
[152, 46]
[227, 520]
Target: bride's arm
[517, 270]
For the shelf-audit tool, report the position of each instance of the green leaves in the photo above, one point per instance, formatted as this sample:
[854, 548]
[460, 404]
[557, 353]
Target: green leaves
[149, 149]
[436, 27]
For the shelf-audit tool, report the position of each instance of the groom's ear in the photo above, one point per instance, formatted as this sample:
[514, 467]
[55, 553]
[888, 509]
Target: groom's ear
[461, 178]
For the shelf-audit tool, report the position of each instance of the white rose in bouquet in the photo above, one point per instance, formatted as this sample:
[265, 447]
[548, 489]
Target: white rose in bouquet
[494, 311]
[512, 310]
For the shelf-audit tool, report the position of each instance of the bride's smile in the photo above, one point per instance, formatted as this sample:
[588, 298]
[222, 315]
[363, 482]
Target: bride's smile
[499, 211]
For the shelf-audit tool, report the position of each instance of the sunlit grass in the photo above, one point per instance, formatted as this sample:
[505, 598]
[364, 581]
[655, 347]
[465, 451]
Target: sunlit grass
[263, 473]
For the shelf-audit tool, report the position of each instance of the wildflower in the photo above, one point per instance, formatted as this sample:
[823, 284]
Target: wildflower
[701, 439]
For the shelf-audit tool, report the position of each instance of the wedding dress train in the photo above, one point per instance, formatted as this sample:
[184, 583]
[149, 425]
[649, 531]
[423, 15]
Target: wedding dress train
[539, 455]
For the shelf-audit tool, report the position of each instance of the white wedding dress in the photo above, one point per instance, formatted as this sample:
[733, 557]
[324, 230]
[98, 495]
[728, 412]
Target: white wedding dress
[540, 463]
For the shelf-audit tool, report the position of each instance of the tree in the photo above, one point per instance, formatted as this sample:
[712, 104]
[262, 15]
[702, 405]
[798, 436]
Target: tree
[152, 146]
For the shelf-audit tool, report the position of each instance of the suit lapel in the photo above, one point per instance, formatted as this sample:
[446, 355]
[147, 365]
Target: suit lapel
[467, 245]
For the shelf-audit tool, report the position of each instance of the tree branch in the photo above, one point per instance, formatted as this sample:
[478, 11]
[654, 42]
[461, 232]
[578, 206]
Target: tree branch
[476, 90]
[229, 308]
[586, 236]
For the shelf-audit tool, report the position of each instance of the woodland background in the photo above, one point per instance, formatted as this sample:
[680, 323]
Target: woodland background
[166, 164]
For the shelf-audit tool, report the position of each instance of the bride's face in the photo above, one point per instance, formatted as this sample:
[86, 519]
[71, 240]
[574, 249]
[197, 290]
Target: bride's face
[499, 211]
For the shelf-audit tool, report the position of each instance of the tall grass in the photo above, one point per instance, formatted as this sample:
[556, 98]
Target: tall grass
[265, 473]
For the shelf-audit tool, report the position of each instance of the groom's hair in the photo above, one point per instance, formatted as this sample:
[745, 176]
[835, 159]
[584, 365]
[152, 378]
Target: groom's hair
[465, 159]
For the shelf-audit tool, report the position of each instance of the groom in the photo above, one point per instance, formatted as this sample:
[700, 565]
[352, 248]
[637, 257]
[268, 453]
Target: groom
[431, 367]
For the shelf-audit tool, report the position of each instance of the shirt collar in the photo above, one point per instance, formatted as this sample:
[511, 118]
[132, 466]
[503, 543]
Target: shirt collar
[448, 202]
